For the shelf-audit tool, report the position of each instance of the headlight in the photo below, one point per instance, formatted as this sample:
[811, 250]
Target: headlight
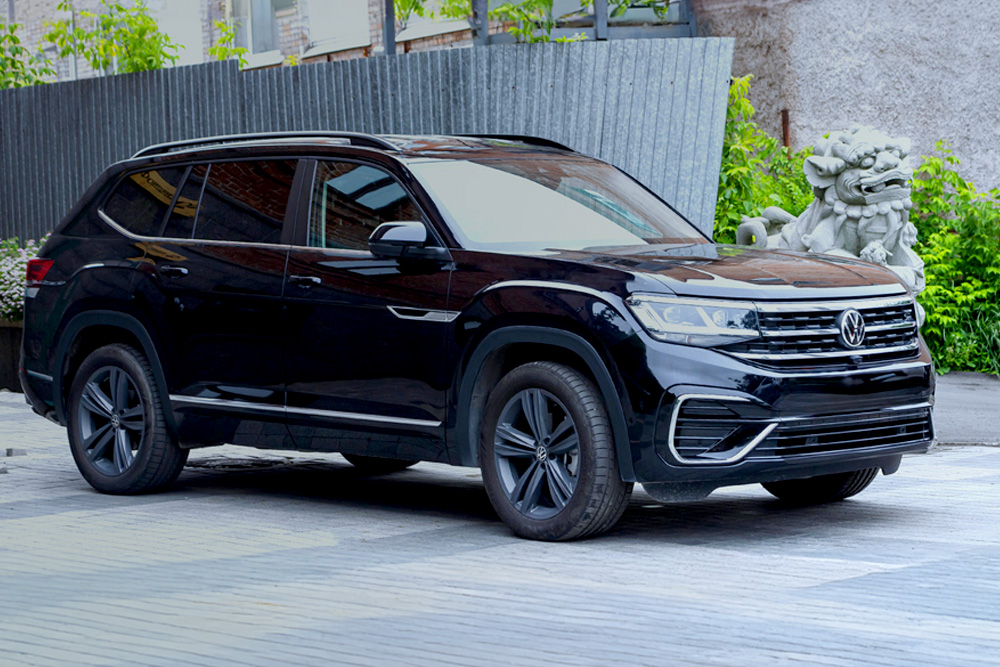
[695, 321]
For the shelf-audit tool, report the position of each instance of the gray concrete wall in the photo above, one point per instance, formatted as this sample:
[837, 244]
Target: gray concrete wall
[925, 70]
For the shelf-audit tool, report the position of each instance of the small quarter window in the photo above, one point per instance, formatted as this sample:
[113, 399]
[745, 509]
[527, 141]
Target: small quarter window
[245, 201]
[141, 200]
[180, 224]
[351, 200]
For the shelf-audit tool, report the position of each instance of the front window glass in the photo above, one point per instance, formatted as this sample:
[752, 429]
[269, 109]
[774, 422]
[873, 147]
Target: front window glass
[534, 205]
[350, 200]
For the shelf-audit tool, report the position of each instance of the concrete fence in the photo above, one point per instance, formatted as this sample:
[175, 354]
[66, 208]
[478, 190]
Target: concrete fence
[654, 107]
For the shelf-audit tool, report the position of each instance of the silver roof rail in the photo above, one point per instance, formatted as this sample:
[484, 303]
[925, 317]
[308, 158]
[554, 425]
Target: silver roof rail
[355, 139]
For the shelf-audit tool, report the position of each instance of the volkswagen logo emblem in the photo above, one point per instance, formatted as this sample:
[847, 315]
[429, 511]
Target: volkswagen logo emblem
[852, 329]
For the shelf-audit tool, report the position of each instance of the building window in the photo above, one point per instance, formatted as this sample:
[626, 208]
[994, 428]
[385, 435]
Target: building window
[258, 24]
[337, 25]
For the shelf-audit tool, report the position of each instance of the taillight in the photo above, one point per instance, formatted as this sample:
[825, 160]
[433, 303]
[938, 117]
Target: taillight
[37, 268]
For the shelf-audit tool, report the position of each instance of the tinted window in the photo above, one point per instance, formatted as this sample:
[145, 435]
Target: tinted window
[350, 201]
[180, 224]
[245, 201]
[140, 202]
[531, 205]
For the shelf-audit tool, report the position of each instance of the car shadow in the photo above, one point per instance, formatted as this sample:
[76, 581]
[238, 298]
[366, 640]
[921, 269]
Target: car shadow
[745, 514]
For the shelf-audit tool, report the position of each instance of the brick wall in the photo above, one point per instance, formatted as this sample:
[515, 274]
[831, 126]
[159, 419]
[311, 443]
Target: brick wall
[293, 31]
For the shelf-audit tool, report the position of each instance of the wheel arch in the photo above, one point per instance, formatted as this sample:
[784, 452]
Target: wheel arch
[512, 345]
[91, 330]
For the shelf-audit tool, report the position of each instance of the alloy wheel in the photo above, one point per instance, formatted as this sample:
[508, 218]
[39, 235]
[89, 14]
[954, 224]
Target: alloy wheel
[111, 419]
[536, 450]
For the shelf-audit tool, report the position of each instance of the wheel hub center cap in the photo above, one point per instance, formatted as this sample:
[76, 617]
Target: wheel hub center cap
[116, 421]
[541, 453]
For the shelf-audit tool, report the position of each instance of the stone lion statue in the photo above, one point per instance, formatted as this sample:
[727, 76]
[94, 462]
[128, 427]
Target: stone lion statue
[861, 179]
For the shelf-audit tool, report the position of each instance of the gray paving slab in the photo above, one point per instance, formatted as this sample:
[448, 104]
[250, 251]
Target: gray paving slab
[967, 408]
[259, 558]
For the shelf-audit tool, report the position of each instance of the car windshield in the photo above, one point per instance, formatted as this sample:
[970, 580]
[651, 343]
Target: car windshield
[539, 204]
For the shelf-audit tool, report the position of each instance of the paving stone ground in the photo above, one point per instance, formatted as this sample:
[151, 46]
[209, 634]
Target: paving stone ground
[258, 558]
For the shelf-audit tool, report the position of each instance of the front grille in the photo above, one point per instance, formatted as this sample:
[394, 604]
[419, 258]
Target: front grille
[817, 435]
[800, 335]
[717, 429]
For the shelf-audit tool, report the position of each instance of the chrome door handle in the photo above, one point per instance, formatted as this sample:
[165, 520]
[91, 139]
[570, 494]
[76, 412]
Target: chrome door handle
[305, 281]
[173, 271]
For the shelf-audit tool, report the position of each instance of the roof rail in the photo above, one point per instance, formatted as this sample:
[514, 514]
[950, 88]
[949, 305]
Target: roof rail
[535, 141]
[355, 138]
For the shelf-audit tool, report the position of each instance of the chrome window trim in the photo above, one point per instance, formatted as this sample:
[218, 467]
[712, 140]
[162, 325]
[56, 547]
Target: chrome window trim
[165, 239]
[312, 412]
[738, 456]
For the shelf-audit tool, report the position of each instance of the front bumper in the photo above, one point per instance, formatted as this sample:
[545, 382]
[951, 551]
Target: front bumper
[772, 425]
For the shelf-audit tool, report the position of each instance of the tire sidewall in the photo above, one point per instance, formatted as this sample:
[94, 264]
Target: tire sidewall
[118, 357]
[562, 524]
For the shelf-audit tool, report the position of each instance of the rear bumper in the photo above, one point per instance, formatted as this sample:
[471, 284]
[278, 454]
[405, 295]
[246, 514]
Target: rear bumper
[37, 389]
[768, 425]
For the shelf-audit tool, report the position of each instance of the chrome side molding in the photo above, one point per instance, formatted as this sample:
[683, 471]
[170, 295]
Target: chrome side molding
[226, 403]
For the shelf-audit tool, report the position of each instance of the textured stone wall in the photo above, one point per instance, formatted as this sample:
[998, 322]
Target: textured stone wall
[927, 71]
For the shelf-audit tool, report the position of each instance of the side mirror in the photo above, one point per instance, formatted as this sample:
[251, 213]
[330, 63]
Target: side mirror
[404, 240]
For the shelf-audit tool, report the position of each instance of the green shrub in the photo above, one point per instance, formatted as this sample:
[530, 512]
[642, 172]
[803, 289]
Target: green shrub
[757, 171]
[959, 241]
[19, 66]
[116, 40]
[13, 269]
[958, 232]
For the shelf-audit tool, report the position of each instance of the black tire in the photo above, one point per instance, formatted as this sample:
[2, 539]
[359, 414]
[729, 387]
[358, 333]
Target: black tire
[117, 428]
[565, 492]
[377, 466]
[822, 489]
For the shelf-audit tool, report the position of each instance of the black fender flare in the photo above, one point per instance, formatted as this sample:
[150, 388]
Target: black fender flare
[468, 440]
[107, 318]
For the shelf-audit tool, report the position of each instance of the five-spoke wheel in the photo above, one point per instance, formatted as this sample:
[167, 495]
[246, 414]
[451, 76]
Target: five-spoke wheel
[548, 456]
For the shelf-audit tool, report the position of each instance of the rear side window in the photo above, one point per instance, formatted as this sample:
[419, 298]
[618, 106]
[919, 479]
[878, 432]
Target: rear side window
[140, 201]
[245, 201]
[350, 201]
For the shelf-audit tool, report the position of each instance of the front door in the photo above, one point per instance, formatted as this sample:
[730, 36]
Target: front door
[366, 335]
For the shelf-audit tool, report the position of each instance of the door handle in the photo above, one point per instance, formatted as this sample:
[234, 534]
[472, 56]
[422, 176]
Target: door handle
[172, 271]
[305, 281]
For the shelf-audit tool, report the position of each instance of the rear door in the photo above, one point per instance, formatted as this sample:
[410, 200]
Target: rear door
[214, 278]
[366, 335]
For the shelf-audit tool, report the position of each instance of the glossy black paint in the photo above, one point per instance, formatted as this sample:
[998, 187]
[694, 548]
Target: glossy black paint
[302, 348]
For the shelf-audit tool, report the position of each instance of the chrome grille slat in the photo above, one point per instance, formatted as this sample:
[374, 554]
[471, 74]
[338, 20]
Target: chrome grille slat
[805, 334]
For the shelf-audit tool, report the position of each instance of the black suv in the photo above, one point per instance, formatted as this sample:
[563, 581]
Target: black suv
[500, 302]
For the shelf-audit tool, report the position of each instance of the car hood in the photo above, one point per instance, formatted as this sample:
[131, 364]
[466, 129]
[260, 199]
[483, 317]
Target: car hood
[739, 272]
